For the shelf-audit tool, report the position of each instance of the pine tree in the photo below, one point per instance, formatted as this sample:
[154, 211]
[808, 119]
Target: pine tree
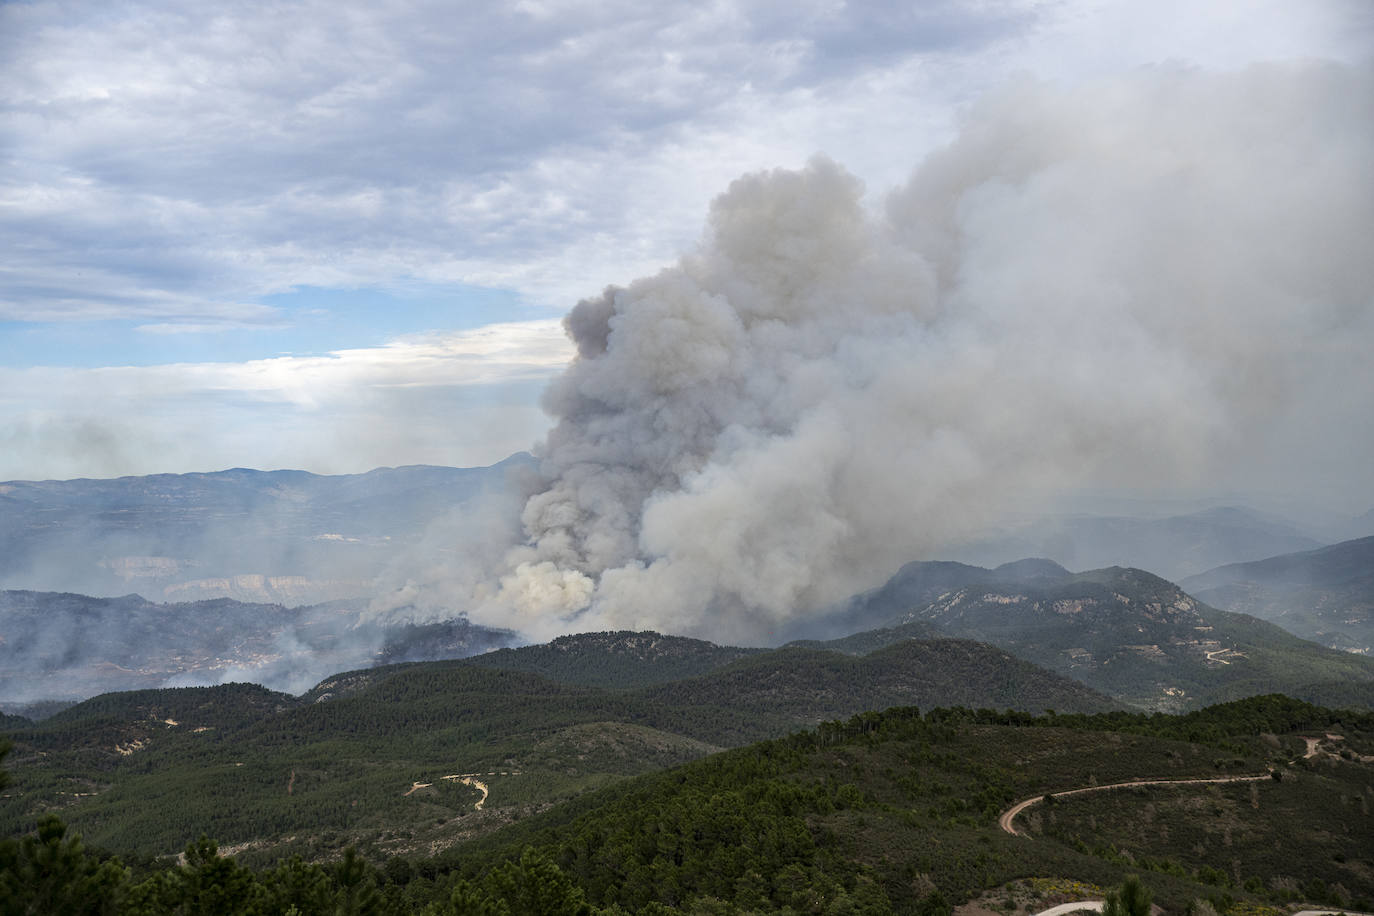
[51, 873]
[538, 887]
[1131, 899]
[358, 894]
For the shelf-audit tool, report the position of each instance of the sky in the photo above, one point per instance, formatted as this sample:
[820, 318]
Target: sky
[335, 236]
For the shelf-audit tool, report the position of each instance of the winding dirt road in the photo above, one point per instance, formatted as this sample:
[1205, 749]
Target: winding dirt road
[1063, 908]
[1009, 815]
[1005, 821]
[471, 780]
[467, 779]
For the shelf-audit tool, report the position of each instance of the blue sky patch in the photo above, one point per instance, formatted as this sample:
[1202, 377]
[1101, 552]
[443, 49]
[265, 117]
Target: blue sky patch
[310, 321]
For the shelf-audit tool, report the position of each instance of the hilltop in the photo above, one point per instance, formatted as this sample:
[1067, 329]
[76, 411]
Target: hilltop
[1125, 632]
[619, 659]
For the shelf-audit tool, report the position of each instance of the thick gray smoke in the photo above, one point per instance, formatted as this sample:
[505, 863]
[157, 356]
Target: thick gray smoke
[1141, 283]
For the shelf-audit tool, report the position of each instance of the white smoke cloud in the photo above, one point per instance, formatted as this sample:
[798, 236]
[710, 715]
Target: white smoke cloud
[1130, 283]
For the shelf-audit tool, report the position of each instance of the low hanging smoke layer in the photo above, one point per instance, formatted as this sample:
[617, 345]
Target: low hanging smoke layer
[1138, 284]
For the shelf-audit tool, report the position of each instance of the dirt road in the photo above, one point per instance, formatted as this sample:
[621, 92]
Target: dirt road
[1009, 815]
[467, 779]
[1063, 908]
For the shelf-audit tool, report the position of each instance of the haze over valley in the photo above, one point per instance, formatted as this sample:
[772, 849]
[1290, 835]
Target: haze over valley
[283, 578]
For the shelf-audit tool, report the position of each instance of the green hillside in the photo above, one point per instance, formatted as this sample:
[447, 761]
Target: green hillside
[811, 685]
[900, 810]
[891, 812]
[365, 756]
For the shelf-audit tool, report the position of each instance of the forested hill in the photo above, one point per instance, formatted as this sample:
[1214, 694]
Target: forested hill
[892, 812]
[620, 659]
[343, 761]
[812, 684]
[129, 717]
[897, 812]
[1125, 632]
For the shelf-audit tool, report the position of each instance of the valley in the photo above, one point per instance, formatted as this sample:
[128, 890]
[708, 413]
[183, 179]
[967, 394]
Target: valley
[639, 769]
[58, 648]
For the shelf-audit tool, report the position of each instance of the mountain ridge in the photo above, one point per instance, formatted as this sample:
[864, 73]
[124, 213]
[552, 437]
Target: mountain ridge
[1124, 631]
[197, 532]
[1174, 546]
[1326, 594]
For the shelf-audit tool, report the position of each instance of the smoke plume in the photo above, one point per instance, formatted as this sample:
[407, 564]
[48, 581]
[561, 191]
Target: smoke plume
[1135, 284]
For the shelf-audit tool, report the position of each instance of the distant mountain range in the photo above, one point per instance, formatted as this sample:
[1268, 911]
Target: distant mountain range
[1173, 546]
[258, 536]
[284, 562]
[292, 537]
[1326, 595]
[66, 647]
[1124, 632]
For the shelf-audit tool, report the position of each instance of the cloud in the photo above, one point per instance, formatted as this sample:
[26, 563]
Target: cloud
[165, 163]
[450, 398]
[1154, 280]
[174, 167]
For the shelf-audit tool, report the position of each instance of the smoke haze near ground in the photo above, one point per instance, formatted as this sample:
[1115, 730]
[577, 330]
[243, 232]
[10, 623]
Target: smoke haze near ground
[1161, 281]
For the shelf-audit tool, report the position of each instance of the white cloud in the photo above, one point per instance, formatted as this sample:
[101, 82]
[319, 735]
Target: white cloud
[178, 157]
[460, 398]
[174, 164]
